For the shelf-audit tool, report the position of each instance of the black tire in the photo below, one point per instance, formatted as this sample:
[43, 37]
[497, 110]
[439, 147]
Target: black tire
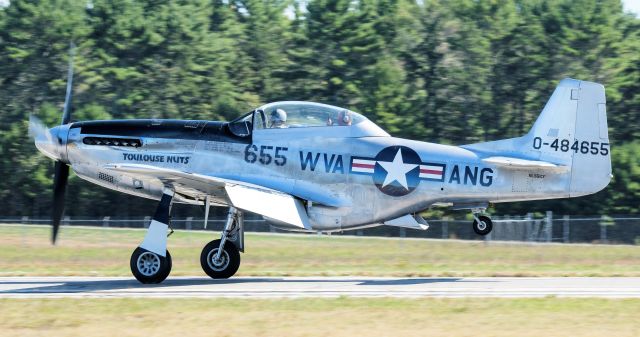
[484, 228]
[230, 260]
[148, 267]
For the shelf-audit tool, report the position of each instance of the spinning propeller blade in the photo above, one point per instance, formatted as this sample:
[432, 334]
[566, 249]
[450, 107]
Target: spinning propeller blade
[66, 110]
[59, 187]
[62, 170]
[37, 130]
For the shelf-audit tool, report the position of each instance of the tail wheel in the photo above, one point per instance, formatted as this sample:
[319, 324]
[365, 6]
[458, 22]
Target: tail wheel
[224, 267]
[483, 227]
[148, 267]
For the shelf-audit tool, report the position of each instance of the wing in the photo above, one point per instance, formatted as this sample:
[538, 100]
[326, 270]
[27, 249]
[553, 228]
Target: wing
[524, 164]
[246, 196]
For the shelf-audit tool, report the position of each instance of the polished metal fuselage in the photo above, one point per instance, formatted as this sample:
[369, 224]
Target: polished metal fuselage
[315, 165]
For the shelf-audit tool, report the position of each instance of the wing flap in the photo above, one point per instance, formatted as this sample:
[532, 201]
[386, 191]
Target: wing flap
[524, 164]
[275, 205]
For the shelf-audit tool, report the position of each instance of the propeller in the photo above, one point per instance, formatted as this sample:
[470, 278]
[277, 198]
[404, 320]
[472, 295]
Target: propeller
[59, 188]
[61, 175]
[39, 131]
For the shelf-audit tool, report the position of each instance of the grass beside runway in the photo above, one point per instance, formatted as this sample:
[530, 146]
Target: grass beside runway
[26, 251]
[319, 317]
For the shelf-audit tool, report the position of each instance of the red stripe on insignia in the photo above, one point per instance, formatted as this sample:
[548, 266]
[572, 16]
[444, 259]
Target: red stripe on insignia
[363, 165]
[430, 171]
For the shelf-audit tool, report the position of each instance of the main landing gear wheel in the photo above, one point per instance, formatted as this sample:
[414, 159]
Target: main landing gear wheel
[148, 267]
[483, 227]
[224, 267]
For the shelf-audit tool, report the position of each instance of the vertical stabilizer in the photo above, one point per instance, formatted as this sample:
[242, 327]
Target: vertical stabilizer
[571, 131]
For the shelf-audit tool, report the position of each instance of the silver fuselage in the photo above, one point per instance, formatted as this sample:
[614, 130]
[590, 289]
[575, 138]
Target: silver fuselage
[305, 163]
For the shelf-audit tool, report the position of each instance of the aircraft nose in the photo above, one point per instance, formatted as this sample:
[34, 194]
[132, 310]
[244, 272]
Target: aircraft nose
[53, 142]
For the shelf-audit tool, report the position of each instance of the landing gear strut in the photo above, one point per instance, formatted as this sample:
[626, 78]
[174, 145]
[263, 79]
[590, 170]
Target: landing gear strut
[482, 224]
[151, 261]
[220, 259]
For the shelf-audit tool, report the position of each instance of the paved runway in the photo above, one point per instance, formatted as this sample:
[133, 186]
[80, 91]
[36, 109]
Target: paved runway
[270, 287]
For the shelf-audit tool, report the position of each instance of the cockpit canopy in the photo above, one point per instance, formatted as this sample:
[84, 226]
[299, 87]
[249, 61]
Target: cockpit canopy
[315, 117]
[305, 114]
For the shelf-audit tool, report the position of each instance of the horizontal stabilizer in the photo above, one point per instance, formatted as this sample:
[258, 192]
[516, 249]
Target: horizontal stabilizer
[524, 164]
[409, 221]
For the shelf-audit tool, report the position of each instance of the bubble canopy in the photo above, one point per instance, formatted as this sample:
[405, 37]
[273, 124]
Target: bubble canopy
[308, 114]
[311, 116]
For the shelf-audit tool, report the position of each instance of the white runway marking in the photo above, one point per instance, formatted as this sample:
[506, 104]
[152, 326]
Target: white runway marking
[270, 287]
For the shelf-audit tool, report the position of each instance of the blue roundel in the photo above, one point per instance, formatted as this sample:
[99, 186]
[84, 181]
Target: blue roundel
[397, 170]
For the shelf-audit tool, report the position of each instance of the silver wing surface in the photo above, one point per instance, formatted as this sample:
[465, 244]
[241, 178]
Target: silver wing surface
[242, 195]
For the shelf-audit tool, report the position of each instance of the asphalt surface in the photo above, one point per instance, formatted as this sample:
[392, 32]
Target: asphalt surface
[270, 287]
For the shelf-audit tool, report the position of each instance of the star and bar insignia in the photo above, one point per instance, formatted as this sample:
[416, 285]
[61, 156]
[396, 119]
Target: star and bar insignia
[397, 170]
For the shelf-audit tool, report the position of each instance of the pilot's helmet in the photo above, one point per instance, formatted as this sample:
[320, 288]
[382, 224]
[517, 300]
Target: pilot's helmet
[344, 117]
[278, 118]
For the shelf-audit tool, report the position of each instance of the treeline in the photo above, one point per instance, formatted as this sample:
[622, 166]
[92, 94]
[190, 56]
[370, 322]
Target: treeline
[456, 71]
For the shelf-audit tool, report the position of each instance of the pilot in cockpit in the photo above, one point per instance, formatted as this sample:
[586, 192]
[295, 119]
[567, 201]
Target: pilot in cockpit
[278, 119]
[343, 119]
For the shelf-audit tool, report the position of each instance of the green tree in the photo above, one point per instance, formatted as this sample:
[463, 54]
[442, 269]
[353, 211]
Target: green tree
[35, 39]
[345, 48]
[265, 24]
[623, 83]
[160, 60]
